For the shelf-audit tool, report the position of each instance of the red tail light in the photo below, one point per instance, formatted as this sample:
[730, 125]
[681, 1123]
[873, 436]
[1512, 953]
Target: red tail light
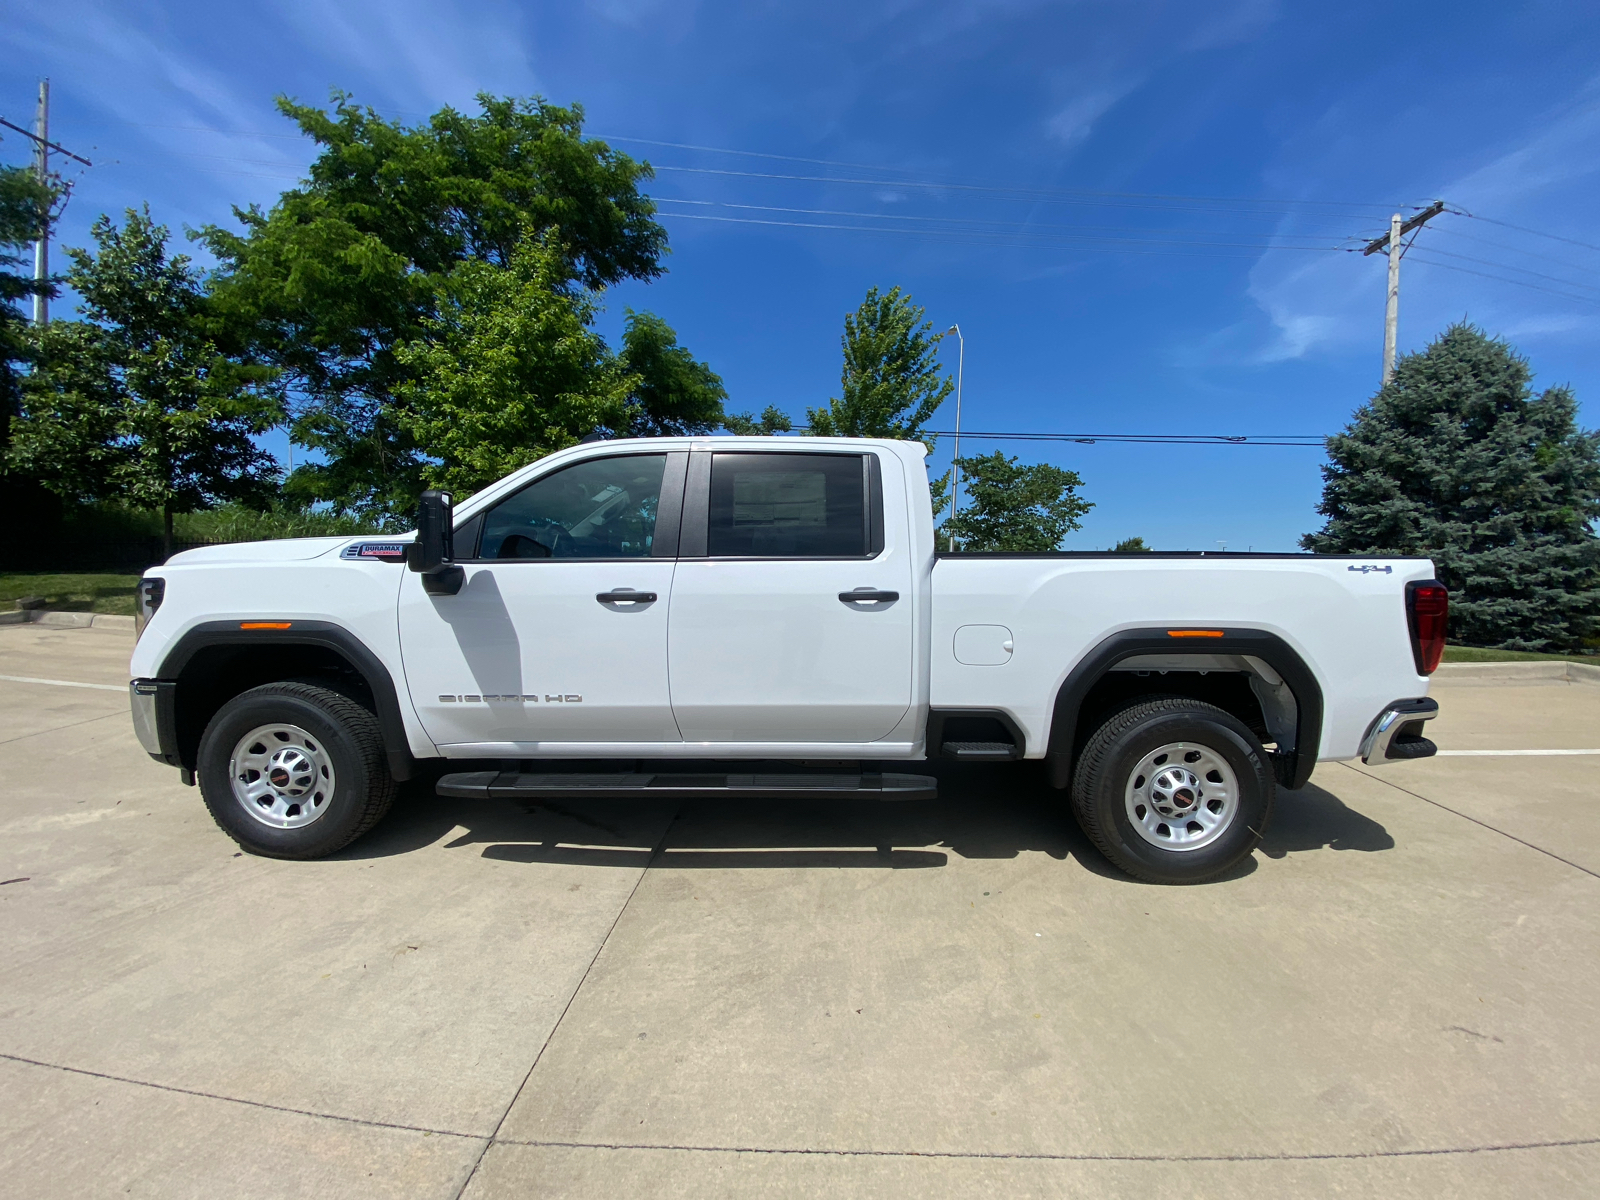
[1427, 612]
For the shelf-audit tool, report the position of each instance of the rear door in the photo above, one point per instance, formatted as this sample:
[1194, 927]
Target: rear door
[559, 634]
[765, 643]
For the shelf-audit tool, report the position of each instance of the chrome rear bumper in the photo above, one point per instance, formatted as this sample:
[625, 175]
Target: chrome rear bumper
[1396, 734]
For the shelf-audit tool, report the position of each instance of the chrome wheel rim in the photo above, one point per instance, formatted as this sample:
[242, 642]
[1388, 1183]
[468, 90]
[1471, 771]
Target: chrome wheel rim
[1182, 796]
[282, 776]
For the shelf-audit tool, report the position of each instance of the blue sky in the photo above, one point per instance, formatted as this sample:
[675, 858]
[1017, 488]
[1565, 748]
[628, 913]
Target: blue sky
[1133, 209]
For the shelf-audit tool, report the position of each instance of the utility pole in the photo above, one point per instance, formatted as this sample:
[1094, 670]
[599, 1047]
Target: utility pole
[41, 167]
[1391, 242]
[42, 149]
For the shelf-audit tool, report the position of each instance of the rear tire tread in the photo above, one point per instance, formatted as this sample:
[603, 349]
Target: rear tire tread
[1092, 761]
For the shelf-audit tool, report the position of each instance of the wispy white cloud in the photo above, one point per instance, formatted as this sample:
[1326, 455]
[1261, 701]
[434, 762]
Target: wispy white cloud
[1076, 120]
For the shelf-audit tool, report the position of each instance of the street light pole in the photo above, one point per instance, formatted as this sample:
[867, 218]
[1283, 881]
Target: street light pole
[955, 463]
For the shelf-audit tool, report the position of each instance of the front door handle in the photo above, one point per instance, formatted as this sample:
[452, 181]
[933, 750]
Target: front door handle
[626, 596]
[868, 596]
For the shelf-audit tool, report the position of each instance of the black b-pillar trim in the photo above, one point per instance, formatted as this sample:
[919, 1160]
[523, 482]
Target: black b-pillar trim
[397, 746]
[1291, 764]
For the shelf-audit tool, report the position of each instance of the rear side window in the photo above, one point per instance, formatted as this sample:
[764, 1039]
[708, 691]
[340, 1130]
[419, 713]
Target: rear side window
[788, 506]
[603, 508]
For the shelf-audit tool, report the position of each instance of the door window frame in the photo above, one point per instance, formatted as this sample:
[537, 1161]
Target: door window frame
[695, 526]
[669, 513]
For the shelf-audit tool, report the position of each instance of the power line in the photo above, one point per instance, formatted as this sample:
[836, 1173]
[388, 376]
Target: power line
[1554, 237]
[1304, 440]
[994, 238]
[1506, 246]
[1504, 279]
[1028, 195]
[1314, 440]
[1483, 262]
[1089, 192]
[891, 216]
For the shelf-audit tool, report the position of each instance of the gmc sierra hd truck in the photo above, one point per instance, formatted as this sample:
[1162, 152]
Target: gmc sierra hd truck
[724, 616]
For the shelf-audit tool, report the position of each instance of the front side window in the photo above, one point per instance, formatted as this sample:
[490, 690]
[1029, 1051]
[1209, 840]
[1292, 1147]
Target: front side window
[787, 506]
[603, 508]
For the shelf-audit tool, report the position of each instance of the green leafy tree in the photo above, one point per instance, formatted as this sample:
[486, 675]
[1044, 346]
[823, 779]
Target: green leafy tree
[141, 403]
[770, 423]
[1456, 459]
[1133, 545]
[892, 382]
[24, 209]
[1013, 507]
[508, 370]
[357, 261]
[674, 394]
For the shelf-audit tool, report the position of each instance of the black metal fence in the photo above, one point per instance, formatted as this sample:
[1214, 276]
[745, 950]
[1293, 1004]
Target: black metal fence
[123, 555]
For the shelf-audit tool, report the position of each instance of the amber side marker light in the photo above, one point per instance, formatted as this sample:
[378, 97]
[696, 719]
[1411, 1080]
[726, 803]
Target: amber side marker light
[264, 624]
[1194, 633]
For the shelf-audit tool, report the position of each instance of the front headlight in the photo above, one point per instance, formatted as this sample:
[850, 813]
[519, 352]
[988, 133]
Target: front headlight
[148, 598]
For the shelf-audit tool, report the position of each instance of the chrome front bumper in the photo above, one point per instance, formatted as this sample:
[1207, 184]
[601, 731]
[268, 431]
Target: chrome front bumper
[151, 703]
[1396, 734]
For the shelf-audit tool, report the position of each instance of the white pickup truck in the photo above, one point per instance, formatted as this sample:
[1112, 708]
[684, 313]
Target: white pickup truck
[738, 617]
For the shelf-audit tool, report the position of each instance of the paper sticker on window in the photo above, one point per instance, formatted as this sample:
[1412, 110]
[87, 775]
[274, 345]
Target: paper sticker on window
[780, 498]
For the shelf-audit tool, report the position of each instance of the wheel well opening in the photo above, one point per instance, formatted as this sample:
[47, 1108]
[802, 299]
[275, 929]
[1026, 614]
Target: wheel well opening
[216, 674]
[1228, 690]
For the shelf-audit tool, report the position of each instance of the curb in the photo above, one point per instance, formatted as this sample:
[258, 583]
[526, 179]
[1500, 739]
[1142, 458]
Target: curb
[66, 620]
[1514, 673]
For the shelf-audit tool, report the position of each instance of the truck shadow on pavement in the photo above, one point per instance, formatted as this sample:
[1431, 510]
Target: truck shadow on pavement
[983, 812]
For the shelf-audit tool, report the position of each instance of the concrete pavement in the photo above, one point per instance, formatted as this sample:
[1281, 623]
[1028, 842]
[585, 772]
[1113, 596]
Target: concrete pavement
[1394, 997]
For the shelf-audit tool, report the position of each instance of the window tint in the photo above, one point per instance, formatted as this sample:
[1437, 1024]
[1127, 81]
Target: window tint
[787, 506]
[603, 508]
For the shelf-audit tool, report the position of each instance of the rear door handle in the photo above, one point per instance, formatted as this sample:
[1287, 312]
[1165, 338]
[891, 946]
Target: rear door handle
[626, 596]
[868, 596]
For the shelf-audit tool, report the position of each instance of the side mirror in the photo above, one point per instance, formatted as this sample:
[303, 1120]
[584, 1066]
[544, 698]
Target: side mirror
[431, 553]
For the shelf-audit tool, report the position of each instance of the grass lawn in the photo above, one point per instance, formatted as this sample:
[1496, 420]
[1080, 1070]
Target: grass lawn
[77, 593]
[1473, 654]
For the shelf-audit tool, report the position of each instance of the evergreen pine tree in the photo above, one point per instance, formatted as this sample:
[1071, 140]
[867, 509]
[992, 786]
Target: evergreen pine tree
[1456, 459]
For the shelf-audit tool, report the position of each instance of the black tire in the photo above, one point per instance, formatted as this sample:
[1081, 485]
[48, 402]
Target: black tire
[344, 737]
[1106, 803]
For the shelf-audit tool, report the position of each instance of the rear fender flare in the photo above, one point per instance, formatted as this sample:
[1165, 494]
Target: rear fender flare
[1292, 764]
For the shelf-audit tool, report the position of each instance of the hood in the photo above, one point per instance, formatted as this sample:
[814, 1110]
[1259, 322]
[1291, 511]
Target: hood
[278, 550]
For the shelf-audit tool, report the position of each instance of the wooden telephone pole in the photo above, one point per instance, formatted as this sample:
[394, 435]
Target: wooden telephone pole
[1391, 242]
[43, 147]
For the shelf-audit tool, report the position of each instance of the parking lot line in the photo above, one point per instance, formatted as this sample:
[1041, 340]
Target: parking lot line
[99, 687]
[1506, 753]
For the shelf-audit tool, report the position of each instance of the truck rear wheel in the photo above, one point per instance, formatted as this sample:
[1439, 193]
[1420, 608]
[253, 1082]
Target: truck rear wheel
[1173, 790]
[294, 770]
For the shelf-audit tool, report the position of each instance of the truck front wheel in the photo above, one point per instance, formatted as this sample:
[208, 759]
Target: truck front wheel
[1173, 790]
[294, 770]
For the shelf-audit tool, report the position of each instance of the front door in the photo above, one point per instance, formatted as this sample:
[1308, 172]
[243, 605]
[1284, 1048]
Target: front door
[761, 646]
[559, 633]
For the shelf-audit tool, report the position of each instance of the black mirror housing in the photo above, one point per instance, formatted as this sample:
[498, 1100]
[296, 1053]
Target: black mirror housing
[434, 546]
[431, 553]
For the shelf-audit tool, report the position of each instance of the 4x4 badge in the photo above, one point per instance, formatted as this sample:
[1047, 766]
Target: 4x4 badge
[1368, 568]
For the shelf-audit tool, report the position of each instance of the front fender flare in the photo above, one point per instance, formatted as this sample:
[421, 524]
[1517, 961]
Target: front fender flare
[299, 632]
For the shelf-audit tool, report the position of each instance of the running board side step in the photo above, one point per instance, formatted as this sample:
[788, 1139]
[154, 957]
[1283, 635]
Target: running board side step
[981, 751]
[514, 785]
